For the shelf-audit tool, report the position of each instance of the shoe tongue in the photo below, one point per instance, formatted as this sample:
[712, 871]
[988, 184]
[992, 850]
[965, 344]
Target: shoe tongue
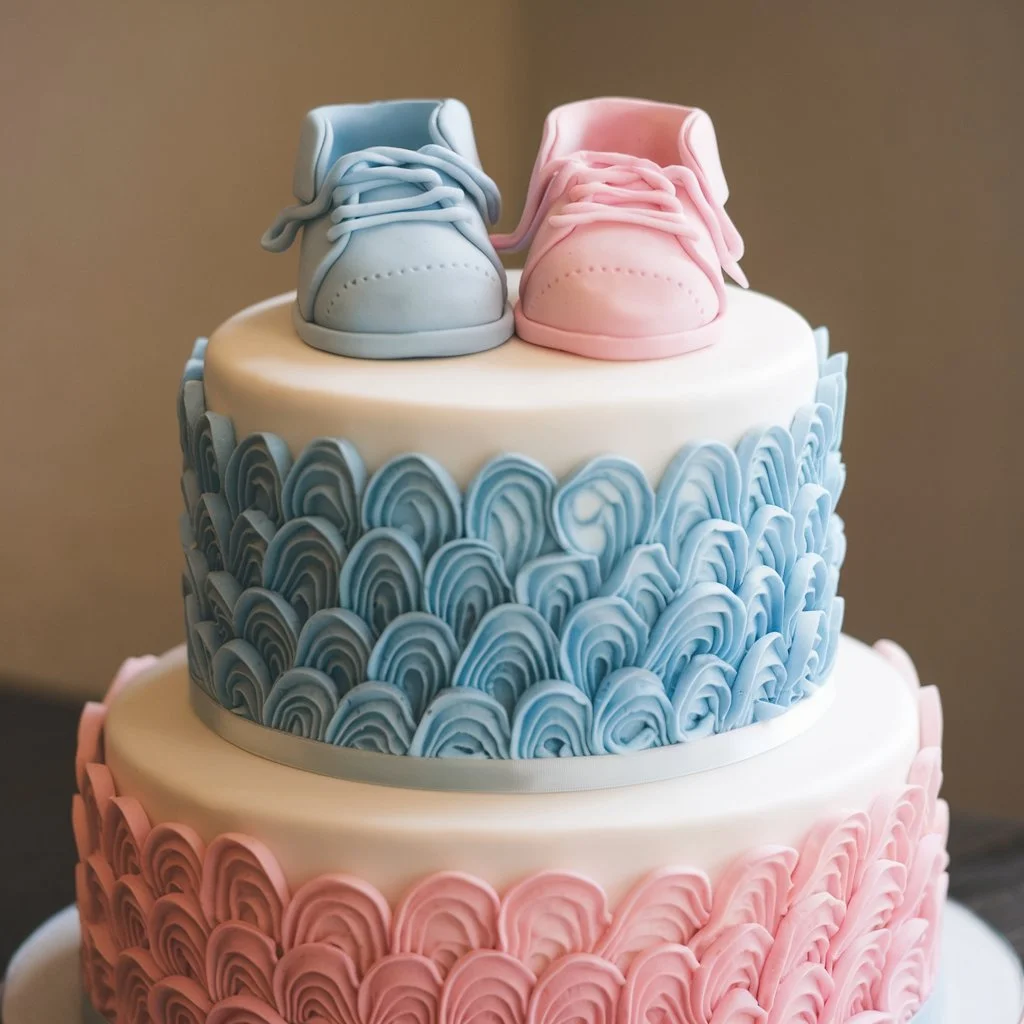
[451, 126]
[698, 150]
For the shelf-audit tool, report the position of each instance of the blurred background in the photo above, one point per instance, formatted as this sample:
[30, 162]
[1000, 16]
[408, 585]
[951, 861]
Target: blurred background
[874, 154]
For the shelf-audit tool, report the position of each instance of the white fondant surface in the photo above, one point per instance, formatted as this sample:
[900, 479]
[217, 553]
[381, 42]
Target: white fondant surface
[160, 753]
[558, 408]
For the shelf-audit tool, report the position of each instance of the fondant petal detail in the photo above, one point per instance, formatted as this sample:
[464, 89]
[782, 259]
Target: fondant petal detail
[645, 579]
[714, 550]
[191, 407]
[761, 679]
[903, 986]
[508, 507]
[764, 595]
[243, 1010]
[835, 543]
[901, 661]
[268, 622]
[706, 619]
[255, 475]
[445, 917]
[193, 583]
[552, 719]
[555, 584]
[812, 511]
[317, 982]
[486, 987]
[178, 1001]
[930, 713]
[172, 860]
[341, 911]
[512, 648]
[658, 985]
[243, 882]
[327, 481]
[831, 391]
[241, 679]
[631, 712]
[856, 977]
[211, 527]
[701, 699]
[463, 581]
[702, 482]
[579, 989]
[125, 828]
[831, 856]
[89, 748]
[240, 961]
[338, 643]
[549, 915]
[402, 987]
[871, 907]
[203, 644]
[302, 564]
[373, 716]
[99, 959]
[301, 702]
[801, 996]
[222, 593]
[98, 884]
[415, 494]
[97, 792]
[599, 637]
[733, 961]
[805, 933]
[250, 537]
[462, 722]
[604, 509]
[130, 904]
[134, 976]
[416, 653]
[177, 936]
[191, 492]
[382, 578]
[768, 470]
[668, 906]
[756, 888]
[212, 444]
[813, 432]
[771, 533]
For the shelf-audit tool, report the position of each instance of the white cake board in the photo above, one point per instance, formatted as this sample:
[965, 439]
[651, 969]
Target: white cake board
[981, 977]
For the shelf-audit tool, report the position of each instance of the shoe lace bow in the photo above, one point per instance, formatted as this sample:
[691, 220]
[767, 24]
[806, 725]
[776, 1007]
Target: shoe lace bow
[442, 178]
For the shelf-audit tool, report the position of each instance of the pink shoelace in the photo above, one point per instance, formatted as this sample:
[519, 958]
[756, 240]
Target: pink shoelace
[618, 188]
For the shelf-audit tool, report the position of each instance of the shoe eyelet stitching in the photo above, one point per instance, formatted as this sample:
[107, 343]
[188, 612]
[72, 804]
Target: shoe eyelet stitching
[485, 270]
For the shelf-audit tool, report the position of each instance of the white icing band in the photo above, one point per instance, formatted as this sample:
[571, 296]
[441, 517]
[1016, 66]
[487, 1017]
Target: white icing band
[538, 775]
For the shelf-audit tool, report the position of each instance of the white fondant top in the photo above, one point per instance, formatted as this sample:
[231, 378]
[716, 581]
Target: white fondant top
[160, 753]
[558, 408]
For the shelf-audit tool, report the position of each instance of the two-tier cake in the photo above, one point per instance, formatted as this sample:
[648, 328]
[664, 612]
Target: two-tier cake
[514, 687]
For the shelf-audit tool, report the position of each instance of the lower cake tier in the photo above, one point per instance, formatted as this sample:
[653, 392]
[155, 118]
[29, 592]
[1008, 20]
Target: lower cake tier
[802, 885]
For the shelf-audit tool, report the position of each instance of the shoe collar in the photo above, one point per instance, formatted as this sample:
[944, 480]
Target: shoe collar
[330, 132]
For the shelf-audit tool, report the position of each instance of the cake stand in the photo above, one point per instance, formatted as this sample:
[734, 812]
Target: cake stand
[980, 978]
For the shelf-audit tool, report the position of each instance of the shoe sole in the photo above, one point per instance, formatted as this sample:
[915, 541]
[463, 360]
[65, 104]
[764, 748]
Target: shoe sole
[456, 341]
[608, 347]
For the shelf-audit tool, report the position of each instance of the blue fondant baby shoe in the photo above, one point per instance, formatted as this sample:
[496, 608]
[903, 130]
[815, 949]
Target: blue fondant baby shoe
[393, 207]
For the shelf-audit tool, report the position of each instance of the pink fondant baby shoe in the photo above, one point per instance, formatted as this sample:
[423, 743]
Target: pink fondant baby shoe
[627, 232]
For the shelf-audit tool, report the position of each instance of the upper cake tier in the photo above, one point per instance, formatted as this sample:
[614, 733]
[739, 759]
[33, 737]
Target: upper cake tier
[559, 409]
[513, 554]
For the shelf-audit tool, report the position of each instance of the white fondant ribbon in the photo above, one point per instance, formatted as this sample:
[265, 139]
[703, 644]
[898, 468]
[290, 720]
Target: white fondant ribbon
[536, 775]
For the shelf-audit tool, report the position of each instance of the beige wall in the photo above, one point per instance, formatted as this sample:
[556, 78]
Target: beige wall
[870, 149]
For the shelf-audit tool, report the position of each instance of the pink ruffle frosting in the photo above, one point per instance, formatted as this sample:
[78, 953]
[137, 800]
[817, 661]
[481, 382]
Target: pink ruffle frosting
[843, 929]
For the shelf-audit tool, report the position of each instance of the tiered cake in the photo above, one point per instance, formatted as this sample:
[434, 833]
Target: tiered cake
[514, 686]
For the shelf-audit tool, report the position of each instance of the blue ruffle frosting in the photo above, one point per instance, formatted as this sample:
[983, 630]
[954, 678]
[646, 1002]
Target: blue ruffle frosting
[528, 617]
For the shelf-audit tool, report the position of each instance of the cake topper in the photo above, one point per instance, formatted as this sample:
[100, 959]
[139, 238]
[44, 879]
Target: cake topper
[395, 260]
[627, 232]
